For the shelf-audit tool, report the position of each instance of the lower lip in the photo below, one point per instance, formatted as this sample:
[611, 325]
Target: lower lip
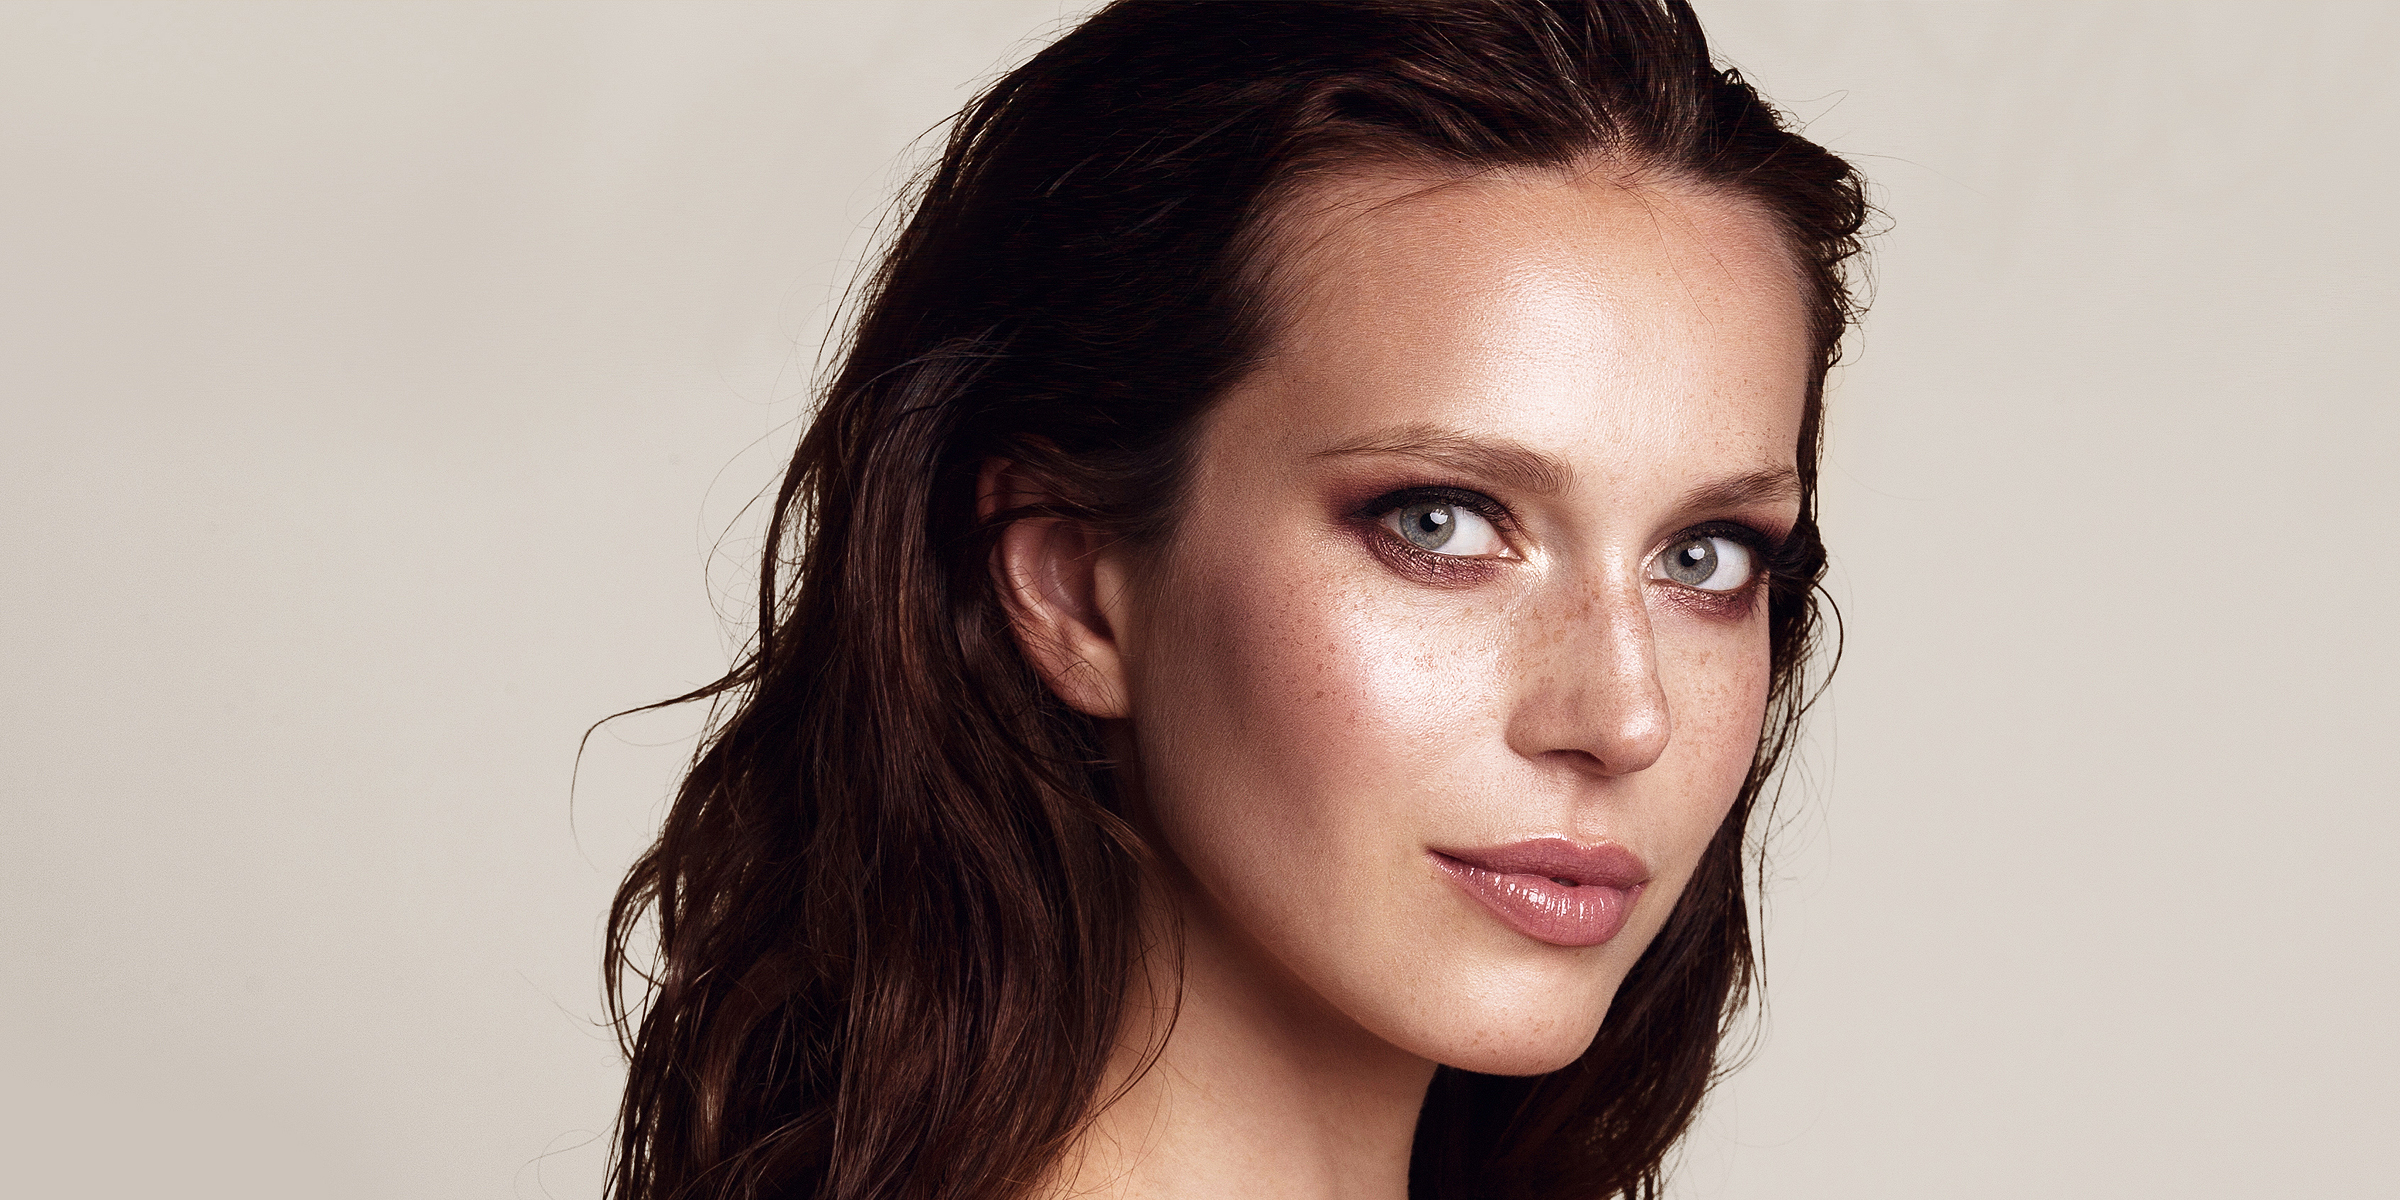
[1545, 909]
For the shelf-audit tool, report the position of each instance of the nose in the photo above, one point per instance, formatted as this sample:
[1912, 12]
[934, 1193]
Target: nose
[1588, 692]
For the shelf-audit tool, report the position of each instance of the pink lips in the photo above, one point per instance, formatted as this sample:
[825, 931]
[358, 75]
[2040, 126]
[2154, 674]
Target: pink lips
[1551, 889]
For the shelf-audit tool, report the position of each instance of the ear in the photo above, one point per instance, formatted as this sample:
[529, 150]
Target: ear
[1064, 591]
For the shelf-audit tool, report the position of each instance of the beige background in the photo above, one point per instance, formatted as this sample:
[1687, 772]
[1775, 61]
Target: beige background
[378, 381]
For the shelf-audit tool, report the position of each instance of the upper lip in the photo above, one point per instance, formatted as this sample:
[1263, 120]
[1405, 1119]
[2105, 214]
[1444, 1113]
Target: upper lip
[1603, 865]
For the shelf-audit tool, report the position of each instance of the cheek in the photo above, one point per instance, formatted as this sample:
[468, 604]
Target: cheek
[1716, 680]
[1287, 707]
[1717, 686]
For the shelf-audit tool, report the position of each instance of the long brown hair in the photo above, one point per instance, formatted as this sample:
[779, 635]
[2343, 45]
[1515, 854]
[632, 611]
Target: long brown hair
[894, 901]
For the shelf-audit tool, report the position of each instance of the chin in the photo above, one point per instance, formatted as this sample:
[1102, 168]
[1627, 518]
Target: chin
[1505, 1021]
[1536, 1055]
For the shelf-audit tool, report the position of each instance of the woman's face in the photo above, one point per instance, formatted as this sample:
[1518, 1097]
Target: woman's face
[1458, 655]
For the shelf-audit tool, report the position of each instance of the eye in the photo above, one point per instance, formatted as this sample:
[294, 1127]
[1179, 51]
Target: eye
[1445, 527]
[1706, 562]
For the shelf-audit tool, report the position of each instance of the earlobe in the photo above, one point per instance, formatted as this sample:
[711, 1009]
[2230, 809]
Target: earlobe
[1059, 583]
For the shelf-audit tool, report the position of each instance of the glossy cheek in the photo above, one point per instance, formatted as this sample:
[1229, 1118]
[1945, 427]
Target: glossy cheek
[1294, 712]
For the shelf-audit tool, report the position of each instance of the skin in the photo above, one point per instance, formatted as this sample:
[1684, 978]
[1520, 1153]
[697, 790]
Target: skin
[1308, 708]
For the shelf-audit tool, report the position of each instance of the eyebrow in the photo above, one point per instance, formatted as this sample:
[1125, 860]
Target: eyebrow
[1741, 491]
[1530, 470]
[1505, 462]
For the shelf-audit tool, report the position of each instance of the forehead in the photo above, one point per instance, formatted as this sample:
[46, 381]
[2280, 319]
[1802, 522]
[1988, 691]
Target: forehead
[1564, 309]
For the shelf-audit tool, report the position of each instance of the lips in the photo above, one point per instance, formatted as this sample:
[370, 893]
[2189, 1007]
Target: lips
[1550, 889]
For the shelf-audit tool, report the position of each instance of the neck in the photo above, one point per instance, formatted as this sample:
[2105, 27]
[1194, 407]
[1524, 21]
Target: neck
[1259, 1088]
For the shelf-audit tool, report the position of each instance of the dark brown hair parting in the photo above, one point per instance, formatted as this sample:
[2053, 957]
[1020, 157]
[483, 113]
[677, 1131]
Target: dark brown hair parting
[894, 900]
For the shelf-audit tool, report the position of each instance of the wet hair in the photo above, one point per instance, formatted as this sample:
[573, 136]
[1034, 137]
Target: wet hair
[894, 901]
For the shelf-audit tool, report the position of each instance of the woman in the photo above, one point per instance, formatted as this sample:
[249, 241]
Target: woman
[1269, 647]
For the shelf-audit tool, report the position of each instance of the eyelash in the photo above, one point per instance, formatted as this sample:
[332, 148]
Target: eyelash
[1770, 552]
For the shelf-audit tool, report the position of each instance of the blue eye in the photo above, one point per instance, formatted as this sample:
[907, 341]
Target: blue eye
[1710, 564]
[1444, 527]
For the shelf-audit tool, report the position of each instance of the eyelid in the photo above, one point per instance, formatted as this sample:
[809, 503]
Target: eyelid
[1759, 542]
[1476, 502]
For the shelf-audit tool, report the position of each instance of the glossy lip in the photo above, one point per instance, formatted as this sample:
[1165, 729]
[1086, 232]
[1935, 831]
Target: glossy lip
[1550, 889]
